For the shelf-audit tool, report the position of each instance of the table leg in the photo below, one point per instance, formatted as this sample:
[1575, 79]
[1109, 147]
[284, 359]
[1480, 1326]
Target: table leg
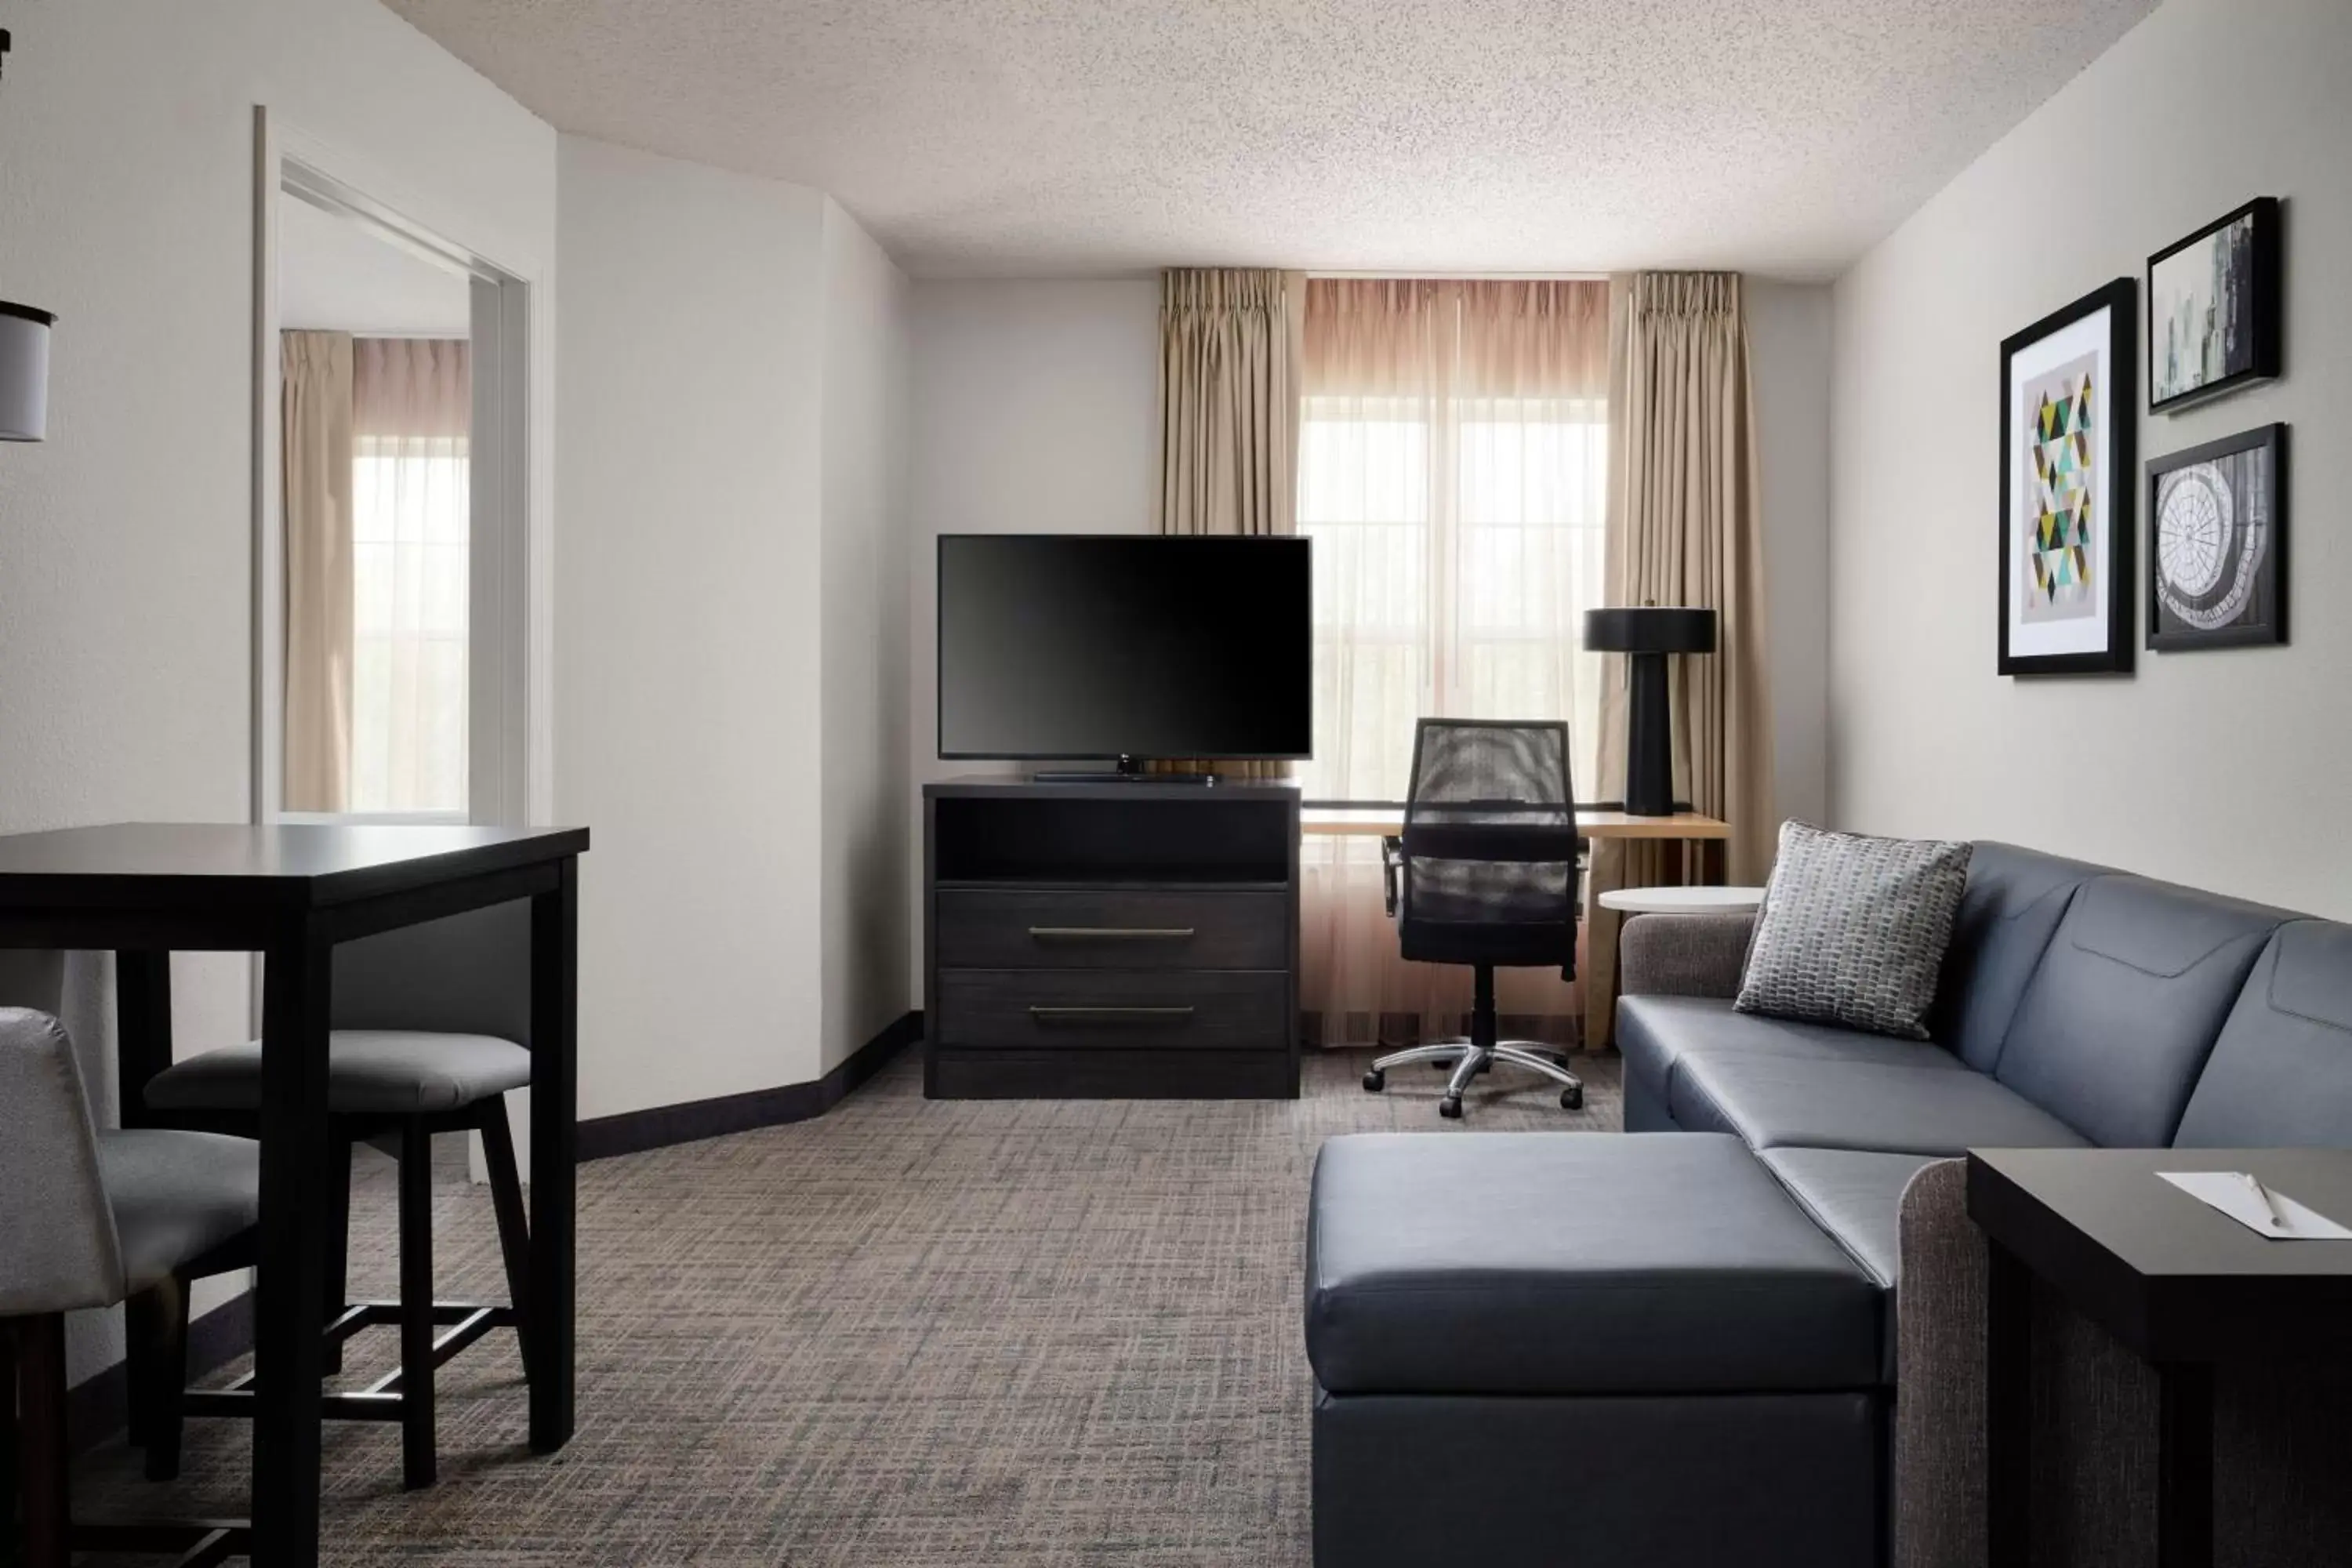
[1711, 855]
[2009, 1407]
[554, 1144]
[290, 1294]
[2184, 1465]
[142, 1028]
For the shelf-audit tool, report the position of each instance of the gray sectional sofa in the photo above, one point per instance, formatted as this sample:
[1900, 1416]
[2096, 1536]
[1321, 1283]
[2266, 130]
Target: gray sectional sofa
[1546, 1349]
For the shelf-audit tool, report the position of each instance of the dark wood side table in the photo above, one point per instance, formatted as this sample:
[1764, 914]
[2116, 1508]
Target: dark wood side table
[291, 893]
[2180, 1285]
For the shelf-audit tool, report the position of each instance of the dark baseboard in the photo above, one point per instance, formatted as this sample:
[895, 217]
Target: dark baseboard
[98, 1408]
[634, 1131]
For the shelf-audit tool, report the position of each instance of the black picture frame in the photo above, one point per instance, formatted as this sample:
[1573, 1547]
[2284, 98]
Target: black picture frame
[2263, 621]
[2120, 299]
[2264, 341]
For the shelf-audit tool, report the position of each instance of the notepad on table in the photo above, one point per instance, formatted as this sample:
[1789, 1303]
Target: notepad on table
[2236, 1194]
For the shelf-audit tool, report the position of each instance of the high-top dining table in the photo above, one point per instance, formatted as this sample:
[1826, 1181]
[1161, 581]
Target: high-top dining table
[291, 893]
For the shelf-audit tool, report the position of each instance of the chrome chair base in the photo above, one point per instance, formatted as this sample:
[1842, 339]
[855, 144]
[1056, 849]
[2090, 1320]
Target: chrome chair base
[1468, 1059]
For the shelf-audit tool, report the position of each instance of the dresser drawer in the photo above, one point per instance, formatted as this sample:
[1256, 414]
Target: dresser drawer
[1110, 928]
[1109, 1009]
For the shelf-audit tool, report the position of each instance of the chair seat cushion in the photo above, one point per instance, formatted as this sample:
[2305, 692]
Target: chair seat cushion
[1857, 1196]
[369, 1072]
[1572, 1263]
[176, 1195]
[1771, 1102]
[1654, 1033]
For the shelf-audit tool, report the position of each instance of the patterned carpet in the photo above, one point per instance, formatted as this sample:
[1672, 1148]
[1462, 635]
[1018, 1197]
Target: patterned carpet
[908, 1334]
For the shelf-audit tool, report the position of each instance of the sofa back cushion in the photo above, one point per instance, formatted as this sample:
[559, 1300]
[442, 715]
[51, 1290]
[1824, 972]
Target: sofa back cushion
[2117, 1021]
[2281, 1074]
[2014, 900]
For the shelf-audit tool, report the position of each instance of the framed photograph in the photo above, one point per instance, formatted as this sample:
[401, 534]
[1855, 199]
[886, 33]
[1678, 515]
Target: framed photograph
[2213, 308]
[2069, 396]
[2217, 544]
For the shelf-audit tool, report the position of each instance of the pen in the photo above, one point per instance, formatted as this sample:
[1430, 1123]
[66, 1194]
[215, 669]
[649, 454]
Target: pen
[2263, 1193]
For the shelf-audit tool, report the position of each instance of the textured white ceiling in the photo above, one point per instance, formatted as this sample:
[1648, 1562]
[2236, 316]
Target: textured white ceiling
[1101, 136]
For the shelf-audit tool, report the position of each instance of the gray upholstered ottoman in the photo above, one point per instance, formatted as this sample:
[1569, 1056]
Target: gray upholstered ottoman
[1542, 1349]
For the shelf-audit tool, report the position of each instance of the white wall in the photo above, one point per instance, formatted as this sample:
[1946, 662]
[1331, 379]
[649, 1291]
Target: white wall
[1788, 342]
[864, 908]
[1034, 406]
[687, 591]
[126, 540]
[2221, 768]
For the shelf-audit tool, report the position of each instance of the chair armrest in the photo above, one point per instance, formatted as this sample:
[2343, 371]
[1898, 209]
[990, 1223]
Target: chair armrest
[1391, 862]
[1695, 954]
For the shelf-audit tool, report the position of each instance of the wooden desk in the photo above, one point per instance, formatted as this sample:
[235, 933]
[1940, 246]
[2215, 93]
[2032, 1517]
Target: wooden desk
[1702, 838]
[148, 889]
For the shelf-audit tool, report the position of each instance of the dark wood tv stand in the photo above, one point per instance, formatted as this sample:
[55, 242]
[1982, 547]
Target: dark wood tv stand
[1125, 940]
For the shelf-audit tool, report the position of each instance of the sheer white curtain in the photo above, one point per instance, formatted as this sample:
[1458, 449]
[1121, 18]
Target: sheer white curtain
[1453, 473]
[412, 415]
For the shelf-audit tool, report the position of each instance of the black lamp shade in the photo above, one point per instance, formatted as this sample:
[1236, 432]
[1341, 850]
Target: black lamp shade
[1649, 629]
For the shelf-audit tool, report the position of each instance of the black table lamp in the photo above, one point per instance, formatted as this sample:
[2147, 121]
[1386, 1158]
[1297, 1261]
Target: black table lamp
[1648, 634]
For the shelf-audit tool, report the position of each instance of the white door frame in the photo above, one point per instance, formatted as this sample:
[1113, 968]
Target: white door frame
[509, 776]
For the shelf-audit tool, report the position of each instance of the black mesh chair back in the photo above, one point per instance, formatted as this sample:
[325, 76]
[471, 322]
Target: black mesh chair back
[1490, 846]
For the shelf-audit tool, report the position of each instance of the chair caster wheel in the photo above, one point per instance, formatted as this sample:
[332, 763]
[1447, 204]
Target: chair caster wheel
[1571, 1099]
[1376, 1080]
[1450, 1107]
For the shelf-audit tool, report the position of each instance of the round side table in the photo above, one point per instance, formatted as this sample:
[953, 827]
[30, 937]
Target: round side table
[1679, 900]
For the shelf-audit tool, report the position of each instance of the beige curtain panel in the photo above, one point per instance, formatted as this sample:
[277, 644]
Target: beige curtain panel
[315, 415]
[1229, 352]
[1684, 528]
[1229, 349]
[1453, 474]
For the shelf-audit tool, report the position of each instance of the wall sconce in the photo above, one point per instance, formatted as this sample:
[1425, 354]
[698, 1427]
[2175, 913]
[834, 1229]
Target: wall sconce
[24, 358]
[23, 373]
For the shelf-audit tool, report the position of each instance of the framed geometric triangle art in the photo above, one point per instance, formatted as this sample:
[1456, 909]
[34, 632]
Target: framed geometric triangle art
[2069, 408]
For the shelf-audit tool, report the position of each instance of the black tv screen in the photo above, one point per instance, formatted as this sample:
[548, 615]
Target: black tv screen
[1061, 647]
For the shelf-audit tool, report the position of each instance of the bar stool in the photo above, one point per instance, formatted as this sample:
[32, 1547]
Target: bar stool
[398, 1086]
[89, 1218]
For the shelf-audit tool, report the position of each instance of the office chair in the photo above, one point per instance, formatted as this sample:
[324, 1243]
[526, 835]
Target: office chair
[1486, 875]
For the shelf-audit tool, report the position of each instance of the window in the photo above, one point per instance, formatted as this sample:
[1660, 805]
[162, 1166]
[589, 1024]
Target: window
[409, 559]
[1453, 473]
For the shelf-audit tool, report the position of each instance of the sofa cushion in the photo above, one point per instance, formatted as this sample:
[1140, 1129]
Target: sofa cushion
[1771, 1102]
[1567, 1262]
[1852, 929]
[1855, 1195]
[2116, 1024]
[2280, 1072]
[2014, 900]
[1654, 1033]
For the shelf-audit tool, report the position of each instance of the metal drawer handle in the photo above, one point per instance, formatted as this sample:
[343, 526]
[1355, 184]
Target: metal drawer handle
[1110, 933]
[1048, 1014]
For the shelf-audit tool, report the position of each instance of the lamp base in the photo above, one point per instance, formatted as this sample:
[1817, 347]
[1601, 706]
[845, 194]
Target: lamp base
[1648, 739]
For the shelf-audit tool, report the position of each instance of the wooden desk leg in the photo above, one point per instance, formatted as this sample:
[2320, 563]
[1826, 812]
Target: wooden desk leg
[1712, 853]
[2009, 1407]
[290, 1293]
[2184, 1465]
[554, 1153]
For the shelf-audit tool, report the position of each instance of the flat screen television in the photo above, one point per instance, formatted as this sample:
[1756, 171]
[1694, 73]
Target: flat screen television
[1057, 646]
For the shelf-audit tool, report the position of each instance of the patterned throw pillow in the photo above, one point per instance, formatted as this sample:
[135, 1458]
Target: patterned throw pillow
[1852, 929]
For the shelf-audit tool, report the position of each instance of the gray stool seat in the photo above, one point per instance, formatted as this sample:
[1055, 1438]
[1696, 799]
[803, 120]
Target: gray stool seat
[1533, 1263]
[176, 1197]
[381, 1072]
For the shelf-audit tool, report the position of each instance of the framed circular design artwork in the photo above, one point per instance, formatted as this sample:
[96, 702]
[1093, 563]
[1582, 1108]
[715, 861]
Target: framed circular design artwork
[2217, 544]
